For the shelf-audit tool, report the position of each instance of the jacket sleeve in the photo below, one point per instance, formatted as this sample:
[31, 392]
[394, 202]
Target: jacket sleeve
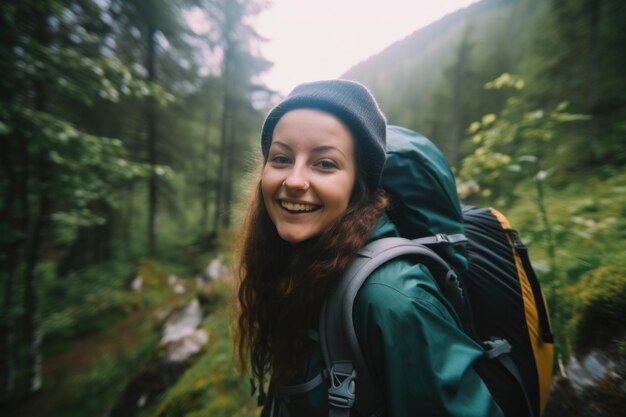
[415, 348]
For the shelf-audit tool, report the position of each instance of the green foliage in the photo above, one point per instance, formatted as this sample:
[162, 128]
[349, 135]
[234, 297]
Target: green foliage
[516, 142]
[101, 76]
[88, 168]
[513, 145]
[588, 225]
[598, 309]
[86, 301]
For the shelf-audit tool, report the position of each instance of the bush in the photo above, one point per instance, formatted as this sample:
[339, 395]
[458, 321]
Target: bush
[598, 310]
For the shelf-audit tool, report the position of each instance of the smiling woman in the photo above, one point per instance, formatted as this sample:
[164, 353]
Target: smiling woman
[318, 201]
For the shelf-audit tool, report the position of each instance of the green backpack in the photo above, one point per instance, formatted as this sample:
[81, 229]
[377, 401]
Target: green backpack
[498, 300]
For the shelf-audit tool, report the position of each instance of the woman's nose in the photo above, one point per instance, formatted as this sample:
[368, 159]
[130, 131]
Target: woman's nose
[296, 180]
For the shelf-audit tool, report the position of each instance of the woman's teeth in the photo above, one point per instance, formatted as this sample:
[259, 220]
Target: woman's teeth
[297, 206]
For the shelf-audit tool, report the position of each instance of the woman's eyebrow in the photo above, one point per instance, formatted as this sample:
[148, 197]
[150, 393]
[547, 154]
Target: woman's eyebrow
[281, 144]
[317, 149]
[325, 148]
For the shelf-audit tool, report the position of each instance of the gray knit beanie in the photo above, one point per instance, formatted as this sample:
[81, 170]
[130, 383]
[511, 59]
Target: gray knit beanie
[351, 103]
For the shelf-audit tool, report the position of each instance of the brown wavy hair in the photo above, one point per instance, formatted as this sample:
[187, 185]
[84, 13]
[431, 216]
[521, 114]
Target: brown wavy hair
[281, 287]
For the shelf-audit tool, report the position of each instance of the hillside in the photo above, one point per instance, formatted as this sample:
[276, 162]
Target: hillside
[411, 77]
[433, 80]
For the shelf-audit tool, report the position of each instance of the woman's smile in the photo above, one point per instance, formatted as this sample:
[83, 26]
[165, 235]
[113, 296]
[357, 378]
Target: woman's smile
[294, 207]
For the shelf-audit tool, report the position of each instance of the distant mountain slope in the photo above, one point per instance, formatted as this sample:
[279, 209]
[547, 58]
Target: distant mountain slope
[432, 80]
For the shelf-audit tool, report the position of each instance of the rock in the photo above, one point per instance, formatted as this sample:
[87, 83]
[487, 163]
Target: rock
[216, 268]
[594, 385]
[586, 373]
[180, 337]
[181, 349]
[179, 288]
[183, 323]
[200, 282]
[172, 280]
[181, 340]
[137, 283]
[176, 284]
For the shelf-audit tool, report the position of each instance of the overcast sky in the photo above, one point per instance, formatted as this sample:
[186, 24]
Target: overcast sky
[320, 39]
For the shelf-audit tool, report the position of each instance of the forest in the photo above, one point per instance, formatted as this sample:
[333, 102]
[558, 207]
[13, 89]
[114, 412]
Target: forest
[128, 132]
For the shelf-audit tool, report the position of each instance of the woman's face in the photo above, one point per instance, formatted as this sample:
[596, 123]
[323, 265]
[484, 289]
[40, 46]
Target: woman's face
[309, 174]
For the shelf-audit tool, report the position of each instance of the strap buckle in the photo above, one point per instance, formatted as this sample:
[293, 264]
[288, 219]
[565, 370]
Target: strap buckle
[496, 347]
[341, 393]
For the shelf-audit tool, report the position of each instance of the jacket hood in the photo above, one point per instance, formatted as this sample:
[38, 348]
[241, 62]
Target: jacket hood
[419, 181]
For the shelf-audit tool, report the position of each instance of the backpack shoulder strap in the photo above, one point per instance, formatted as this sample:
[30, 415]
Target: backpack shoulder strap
[340, 347]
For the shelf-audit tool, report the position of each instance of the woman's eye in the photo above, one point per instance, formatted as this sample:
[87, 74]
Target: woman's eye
[326, 164]
[280, 159]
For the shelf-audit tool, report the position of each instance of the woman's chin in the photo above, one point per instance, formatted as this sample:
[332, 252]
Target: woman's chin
[296, 236]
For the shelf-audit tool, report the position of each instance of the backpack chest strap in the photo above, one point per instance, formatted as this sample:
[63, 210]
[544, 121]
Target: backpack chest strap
[288, 390]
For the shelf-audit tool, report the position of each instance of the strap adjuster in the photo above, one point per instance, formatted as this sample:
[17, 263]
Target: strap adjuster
[442, 238]
[341, 393]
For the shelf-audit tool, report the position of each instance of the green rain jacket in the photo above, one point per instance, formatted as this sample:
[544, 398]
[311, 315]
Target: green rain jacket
[409, 334]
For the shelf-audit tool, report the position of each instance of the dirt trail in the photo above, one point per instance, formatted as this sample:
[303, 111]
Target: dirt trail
[81, 356]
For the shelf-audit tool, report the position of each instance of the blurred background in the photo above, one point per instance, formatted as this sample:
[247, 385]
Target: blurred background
[128, 130]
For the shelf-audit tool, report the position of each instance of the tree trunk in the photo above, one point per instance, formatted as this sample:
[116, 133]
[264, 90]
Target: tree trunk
[458, 98]
[8, 264]
[223, 150]
[13, 218]
[592, 10]
[7, 329]
[36, 236]
[31, 296]
[23, 222]
[228, 180]
[152, 139]
[205, 181]
[129, 221]
[221, 172]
